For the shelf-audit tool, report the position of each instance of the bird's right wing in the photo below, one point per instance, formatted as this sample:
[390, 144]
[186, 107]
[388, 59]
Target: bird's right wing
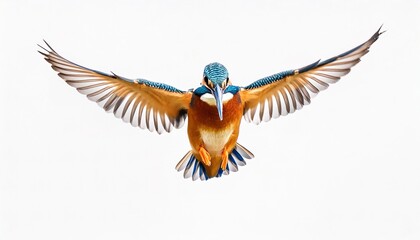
[285, 92]
[145, 104]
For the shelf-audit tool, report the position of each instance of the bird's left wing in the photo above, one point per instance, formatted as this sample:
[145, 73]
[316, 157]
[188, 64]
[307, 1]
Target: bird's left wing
[143, 103]
[285, 92]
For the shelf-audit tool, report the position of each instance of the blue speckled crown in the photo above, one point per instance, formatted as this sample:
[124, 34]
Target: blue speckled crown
[216, 72]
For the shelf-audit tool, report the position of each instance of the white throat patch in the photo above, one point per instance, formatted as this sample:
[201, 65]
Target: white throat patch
[210, 100]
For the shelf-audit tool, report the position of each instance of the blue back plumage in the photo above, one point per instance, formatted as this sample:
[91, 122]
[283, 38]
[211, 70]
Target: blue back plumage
[158, 85]
[216, 72]
[270, 79]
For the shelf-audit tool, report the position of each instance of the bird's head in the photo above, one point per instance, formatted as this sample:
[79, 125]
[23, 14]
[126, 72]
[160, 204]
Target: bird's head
[216, 79]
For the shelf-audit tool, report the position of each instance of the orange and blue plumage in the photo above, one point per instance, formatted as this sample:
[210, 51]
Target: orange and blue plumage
[214, 110]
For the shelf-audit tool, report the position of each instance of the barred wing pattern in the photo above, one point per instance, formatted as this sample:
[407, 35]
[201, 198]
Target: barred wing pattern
[145, 104]
[288, 91]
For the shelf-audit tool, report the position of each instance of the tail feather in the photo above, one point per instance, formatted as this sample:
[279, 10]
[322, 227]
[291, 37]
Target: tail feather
[194, 169]
[183, 162]
[243, 151]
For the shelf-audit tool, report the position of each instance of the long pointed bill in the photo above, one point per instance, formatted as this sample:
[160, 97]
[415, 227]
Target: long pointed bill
[218, 95]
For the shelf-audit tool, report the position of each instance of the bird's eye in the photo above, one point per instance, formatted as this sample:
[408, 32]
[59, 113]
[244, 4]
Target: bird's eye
[207, 82]
[226, 82]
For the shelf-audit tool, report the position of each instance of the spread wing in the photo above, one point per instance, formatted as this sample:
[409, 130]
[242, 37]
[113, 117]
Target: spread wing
[285, 92]
[143, 103]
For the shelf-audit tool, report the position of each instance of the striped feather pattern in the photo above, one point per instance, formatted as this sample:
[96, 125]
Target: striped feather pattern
[288, 91]
[194, 169]
[145, 104]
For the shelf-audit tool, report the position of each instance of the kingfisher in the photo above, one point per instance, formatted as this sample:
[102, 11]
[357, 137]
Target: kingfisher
[214, 109]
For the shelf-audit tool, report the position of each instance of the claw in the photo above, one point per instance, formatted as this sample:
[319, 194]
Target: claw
[225, 157]
[205, 156]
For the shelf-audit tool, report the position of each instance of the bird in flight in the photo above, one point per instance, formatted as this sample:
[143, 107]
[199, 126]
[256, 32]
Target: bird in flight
[214, 109]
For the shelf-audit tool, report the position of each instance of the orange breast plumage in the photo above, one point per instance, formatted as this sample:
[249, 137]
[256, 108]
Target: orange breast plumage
[205, 129]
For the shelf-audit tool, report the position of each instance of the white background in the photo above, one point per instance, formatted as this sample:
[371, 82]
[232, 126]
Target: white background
[345, 167]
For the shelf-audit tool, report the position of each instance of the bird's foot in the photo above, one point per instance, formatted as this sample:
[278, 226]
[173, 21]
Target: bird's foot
[205, 156]
[225, 157]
